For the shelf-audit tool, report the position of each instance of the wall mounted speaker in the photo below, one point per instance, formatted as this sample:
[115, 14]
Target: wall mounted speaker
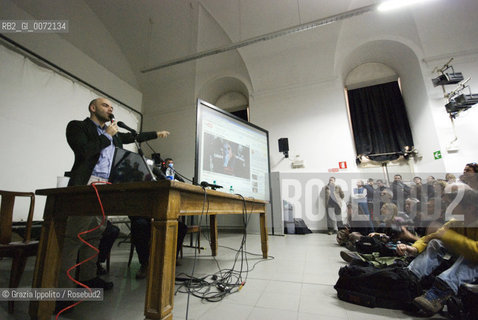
[284, 146]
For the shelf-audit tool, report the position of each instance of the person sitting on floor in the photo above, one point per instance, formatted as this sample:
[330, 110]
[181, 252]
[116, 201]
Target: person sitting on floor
[352, 230]
[458, 238]
[395, 228]
[431, 216]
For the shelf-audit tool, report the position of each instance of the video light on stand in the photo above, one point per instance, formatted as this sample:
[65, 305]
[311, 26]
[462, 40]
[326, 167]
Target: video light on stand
[446, 78]
[459, 101]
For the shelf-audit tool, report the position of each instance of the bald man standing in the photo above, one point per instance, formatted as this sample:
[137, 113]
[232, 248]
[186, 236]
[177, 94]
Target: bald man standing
[93, 143]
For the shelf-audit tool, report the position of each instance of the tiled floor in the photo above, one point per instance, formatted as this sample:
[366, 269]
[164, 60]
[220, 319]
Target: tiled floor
[296, 285]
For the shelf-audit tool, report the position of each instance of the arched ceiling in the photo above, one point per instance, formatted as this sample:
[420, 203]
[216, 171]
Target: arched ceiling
[147, 33]
[128, 36]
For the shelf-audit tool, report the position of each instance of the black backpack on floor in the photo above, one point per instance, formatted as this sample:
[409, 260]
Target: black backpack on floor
[392, 288]
[372, 244]
[465, 305]
[301, 227]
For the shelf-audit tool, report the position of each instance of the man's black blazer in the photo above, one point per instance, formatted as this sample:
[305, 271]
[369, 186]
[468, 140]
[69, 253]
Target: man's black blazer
[83, 138]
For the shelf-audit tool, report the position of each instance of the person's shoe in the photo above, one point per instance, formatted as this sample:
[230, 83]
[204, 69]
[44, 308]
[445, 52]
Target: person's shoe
[433, 300]
[98, 283]
[470, 287]
[100, 271]
[141, 274]
[349, 256]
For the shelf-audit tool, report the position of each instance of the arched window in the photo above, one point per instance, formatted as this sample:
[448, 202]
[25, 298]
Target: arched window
[377, 113]
[235, 103]
[229, 94]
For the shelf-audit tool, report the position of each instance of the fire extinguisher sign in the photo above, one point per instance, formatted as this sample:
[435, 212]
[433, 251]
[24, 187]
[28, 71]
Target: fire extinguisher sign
[343, 165]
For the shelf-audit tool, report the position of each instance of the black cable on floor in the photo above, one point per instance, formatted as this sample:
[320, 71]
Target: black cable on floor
[215, 287]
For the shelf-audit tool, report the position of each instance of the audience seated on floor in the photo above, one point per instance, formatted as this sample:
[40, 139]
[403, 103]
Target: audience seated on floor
[427, 234]
[395, 227]
[431, 216]
[457, 238]
[356, 226]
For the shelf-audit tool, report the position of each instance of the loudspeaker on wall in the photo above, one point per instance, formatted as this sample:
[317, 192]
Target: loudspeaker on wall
[284, 146]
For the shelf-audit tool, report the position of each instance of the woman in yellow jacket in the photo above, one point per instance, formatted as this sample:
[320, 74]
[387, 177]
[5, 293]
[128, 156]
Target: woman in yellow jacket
[458, 238]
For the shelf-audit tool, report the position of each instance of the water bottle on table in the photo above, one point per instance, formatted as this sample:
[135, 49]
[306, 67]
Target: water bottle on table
[169, 173]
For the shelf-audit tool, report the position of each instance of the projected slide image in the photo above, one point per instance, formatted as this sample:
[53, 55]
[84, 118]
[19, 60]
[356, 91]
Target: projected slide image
[226, 157]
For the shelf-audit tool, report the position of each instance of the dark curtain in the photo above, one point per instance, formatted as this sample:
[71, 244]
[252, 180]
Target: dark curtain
[241, 114]
[379, 121]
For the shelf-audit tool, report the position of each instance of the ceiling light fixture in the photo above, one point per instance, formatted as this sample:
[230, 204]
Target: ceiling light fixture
[396, 4]
[269, 36]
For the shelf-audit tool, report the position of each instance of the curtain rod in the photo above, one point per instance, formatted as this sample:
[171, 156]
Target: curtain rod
[70, 75]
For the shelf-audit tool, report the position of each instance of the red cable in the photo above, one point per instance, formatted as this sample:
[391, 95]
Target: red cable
[93, 184]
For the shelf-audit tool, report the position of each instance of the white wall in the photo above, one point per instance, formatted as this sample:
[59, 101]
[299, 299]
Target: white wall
[106, 71]
[34, 112]
[35, 106]
[317, 131]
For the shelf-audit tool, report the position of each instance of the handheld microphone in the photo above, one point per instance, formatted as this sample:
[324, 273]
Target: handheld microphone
[112, 117]
[206, 184]
[121, 124]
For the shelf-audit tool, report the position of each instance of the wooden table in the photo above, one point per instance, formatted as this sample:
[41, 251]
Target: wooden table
[163, 201]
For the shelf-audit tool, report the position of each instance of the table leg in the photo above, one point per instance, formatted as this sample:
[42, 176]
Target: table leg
[47, 265]
[213, 234]
[162, 268]
[264, 235]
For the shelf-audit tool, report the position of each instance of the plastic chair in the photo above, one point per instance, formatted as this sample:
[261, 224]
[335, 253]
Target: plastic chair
[18, 251]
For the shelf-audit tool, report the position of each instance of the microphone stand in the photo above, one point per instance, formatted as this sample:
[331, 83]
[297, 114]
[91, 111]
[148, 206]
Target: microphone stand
[180, 175]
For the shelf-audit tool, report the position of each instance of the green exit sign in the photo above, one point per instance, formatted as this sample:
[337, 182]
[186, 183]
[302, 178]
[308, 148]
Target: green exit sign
[437, 155]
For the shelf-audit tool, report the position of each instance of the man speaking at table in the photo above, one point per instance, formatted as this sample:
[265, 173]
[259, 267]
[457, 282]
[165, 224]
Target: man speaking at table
[93, 143]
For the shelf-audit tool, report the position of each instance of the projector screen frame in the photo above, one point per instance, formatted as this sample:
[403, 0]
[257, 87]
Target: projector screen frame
[241, 121]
